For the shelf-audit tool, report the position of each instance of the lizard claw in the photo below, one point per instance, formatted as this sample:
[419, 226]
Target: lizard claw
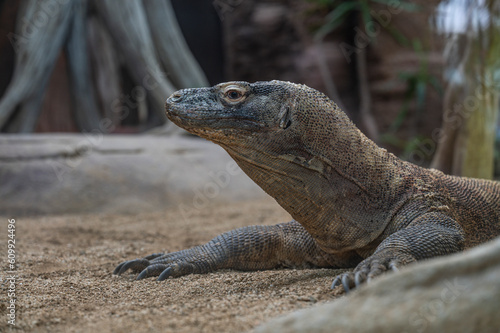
[136, 265]
[336, 282]
[152, 270]
[366, 271]
[346, 279]
[359, 278]
[393, 265]
[161, 265]
[377, 265]
[117, 269]
[178, 269]
[165, 274]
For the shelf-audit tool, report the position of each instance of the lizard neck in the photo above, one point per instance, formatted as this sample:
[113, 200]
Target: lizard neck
[332, 138]
[335, 188]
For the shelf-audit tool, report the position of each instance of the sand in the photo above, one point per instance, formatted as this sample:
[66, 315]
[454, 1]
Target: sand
[65, 283]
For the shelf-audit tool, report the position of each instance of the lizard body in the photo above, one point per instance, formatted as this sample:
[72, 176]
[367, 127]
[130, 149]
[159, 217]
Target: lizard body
[353, 204]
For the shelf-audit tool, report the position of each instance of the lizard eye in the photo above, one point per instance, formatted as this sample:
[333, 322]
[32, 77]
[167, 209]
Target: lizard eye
[233, 94]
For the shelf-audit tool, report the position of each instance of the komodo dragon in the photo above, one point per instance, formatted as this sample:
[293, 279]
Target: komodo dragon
[353, 203]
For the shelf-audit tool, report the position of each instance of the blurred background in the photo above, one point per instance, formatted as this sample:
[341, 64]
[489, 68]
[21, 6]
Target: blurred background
[420, 78]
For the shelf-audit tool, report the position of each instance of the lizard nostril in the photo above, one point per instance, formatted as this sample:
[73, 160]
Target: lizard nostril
[175, 97]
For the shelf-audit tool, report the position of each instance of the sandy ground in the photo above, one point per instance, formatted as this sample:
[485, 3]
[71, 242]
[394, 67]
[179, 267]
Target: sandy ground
[65, 282]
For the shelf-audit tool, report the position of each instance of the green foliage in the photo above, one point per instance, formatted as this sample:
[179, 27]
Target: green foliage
[342, 9]
[417, 82]
[417, 86]
[336, 17]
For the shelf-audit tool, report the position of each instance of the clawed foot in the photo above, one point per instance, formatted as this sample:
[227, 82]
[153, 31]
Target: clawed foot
[367, 270]
[157, 264]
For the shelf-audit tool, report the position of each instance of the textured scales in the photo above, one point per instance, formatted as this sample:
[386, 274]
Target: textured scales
[354, 204]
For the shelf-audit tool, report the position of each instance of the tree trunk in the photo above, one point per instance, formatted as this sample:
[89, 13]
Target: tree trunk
[457, 53]
[331, 87]
[368, 123]
[84, 103]
[105, 62]
[41, 29]
[127, 24]
[174, 54]
[472, 126]
[482, 103]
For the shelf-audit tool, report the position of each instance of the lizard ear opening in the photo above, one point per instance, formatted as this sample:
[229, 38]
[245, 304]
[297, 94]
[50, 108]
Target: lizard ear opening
[286, 120]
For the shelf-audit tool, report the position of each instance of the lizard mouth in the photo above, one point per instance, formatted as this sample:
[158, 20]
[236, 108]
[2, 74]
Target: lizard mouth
[202, 119]
[205, 114]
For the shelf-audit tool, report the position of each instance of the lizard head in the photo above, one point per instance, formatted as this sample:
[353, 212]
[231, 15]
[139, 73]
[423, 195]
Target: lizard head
[228, 111]
[262, 115]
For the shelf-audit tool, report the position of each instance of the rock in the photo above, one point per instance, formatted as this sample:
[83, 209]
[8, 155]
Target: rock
[93, 173]
[459, 293]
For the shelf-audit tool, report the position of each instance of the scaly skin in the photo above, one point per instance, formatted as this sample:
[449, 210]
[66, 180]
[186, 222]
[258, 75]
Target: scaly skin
[353, 203]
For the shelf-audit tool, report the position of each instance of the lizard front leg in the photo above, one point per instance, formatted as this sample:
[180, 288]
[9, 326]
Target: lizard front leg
[247, 248]
[430, 235]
